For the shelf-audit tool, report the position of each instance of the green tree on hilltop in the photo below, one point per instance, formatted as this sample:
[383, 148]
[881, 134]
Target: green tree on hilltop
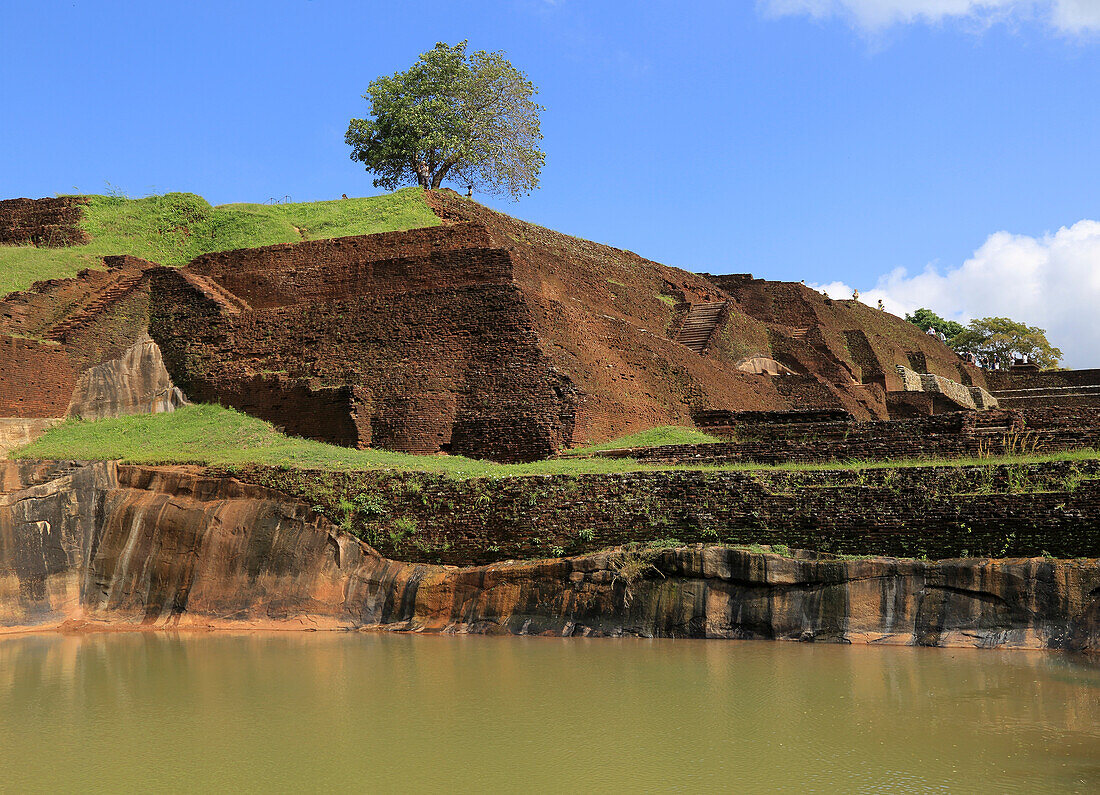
[927, 319]
[470, 119]
[999, 340]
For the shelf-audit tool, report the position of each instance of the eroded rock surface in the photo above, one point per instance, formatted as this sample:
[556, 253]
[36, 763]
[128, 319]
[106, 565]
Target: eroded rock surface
[132, 546]
[134, 383]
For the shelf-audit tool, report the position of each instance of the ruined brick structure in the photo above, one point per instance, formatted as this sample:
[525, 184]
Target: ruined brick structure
[1050, 388]
[36, 379]
[79, 347]
[1000, 511]
[495, 338]
[415, 341]
[43, 222]
[486, 336]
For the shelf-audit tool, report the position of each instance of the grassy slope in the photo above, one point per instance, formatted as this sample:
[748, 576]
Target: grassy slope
[177, 227]
[217, 436]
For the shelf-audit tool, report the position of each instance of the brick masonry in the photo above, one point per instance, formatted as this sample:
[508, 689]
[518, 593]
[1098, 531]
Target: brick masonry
[43, 222]
[36, 378]
[427, 353]
[947, 435]
[941, 512]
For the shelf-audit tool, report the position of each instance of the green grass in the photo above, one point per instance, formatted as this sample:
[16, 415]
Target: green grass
[654, 437]
[175, 228]
[217, 436]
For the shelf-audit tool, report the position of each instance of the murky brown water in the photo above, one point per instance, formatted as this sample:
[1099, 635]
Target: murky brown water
[388, 713]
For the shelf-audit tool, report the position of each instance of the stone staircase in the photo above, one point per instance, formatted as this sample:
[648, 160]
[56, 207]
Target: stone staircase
[699, 325]
[40, 474]
[227, 302]
[993, 423]
[799, 333]
[98, 302]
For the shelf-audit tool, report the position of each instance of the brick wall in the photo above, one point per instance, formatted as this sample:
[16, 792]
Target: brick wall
[949, 435]
[36, 379]
[43, 222]
[453, 368]
[1047, 389]
[334, 414]
[1001, 379]
[935, 511]
[332, 269]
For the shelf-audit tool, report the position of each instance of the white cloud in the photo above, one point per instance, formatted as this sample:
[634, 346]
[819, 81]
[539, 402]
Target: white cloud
[1051, 281]
[1075, 16]
[1067, 16]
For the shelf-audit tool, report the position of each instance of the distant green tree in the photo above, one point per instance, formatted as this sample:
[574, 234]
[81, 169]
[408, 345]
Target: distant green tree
[927, 319]
[470, 119]
[999, 340]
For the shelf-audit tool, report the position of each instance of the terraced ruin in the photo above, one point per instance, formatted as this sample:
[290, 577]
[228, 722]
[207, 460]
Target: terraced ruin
[422, 406]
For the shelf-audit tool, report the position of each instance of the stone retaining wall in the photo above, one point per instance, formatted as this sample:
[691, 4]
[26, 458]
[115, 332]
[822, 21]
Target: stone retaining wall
[938, 512]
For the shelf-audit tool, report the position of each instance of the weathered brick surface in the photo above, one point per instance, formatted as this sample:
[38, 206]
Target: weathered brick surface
[1002, 511]
[1003, 379]
[92, 317]
[36, 379]
[1049, 388]
[325, 270]
[866, 342]
[948, 435]
[445, 360]
[43, 222]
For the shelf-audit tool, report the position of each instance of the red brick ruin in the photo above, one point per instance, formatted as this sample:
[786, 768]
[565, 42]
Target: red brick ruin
[484, 336]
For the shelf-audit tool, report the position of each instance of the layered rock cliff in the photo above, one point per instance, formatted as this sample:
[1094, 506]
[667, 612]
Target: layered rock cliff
[160, 547]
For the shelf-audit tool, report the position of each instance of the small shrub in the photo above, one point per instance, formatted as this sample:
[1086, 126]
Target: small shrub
[401, 529]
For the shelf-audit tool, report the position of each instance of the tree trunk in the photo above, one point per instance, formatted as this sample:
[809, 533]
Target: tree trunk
[437, 180]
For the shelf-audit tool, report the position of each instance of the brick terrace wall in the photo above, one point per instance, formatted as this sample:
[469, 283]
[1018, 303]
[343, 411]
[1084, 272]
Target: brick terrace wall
[332, 269]
[456, 368]
[951, 435]
[1047, 389]
[36, 379]
[43, 222]
[335, 414]
[1000, 379]
[940, 512]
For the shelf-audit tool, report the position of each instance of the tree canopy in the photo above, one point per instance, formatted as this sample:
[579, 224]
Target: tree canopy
[470, 119]
[927, 319]
[998, 340]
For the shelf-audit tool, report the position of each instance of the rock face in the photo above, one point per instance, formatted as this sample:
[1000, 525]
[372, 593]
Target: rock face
[134, 383]
[136, 546]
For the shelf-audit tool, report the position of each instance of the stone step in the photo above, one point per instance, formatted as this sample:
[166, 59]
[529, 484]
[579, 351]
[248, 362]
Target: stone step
[699, 325]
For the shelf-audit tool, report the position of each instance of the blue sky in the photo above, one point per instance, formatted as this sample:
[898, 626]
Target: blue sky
[834, 141]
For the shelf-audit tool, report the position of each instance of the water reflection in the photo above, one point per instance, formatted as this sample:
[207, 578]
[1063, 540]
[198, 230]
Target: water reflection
[302, 710]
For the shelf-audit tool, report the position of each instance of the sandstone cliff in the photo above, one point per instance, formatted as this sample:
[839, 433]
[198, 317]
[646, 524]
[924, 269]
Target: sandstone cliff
[159, 547]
